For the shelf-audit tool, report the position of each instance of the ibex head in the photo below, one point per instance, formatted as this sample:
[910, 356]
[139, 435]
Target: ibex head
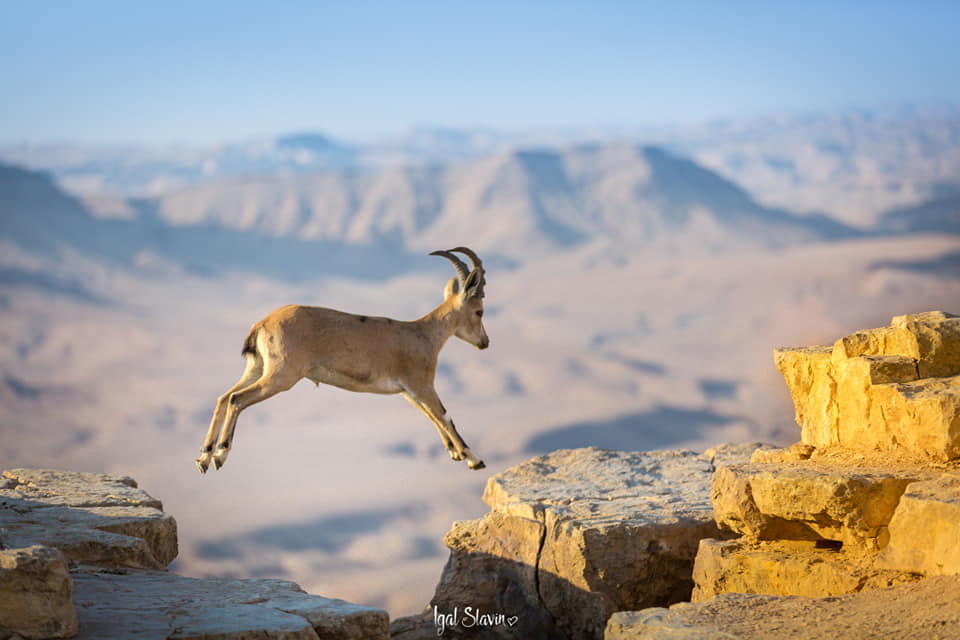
[466, 297]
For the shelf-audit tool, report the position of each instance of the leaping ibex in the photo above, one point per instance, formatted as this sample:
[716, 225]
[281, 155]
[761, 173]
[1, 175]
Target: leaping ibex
[357, 353]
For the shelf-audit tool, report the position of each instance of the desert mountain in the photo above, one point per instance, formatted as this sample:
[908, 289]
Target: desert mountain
[513, 203]
[851, 164]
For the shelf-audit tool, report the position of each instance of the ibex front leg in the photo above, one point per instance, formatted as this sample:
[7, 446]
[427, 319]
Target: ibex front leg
[429, 403]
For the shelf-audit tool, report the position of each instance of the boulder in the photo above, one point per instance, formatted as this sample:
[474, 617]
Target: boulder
[787, 567]
[35, 594]
[575, 535]
[925, 529]
[892, 388]
[916, 611]
[91, 518]
[810, 500]
[124, 603]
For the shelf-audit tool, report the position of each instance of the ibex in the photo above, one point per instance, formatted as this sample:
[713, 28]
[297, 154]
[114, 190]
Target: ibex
[357, 353]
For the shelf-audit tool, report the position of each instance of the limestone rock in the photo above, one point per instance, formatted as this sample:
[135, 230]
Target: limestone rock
[925, 529]
[794, 453]
[937, 338]
[575, 535]
[152, 604]
[895, 387]
[92, 518]
[809, 501]
[917, 611]
[799, 568]
[35, 594]
[808, 374]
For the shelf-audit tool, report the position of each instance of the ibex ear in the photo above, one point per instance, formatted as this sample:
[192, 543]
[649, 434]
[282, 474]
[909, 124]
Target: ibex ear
[473, 286]
[452, 288]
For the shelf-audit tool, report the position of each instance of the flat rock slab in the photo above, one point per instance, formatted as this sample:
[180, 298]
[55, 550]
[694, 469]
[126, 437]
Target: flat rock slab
[91, 518]
[154, 604]
[575, 535]
[811, 500]
[923, 610]
[797, 568]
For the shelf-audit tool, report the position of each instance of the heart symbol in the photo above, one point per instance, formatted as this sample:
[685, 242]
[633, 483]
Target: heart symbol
[512, 620]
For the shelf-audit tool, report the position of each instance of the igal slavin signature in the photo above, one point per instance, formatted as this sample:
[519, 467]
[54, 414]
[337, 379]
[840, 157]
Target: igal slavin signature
[469, 618]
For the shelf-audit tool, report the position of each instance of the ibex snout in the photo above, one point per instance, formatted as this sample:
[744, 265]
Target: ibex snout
[484, 343]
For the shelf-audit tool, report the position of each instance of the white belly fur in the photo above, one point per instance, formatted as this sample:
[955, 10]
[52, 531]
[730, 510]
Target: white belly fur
[321, 375]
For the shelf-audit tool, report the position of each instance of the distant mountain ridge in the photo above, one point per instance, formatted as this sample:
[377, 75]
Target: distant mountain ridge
[852, 164]
[513, 202]
[38, 218]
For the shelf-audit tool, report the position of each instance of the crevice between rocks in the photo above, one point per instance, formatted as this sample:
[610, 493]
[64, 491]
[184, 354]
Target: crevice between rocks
[542, 517]
[536, 572]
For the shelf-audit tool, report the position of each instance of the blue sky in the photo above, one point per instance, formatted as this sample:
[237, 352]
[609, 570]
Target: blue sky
[208, 71]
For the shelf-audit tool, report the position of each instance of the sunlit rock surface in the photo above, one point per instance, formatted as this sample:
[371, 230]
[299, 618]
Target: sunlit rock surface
[869, 498]
[892, 388]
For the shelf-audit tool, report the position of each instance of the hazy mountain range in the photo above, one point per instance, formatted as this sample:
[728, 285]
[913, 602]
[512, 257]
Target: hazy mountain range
[636, 290]
[849, 164]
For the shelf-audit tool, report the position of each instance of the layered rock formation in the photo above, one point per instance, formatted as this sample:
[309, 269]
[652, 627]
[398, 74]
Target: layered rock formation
[869, 500]
[896, 388]
[84, 553]
[573, 536]
[871, 497]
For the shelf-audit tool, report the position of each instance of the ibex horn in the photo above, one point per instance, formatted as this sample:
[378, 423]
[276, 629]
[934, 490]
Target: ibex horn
[457, 264]
[477, 264]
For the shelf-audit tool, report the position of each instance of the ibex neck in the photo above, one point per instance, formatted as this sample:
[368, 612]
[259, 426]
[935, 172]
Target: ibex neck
[440, 323]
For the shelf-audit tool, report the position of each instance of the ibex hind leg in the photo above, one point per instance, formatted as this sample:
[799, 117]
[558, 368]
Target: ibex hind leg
[268, 385]
[252, 372]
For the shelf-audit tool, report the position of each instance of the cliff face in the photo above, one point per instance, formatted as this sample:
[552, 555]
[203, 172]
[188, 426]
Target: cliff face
[84, 553]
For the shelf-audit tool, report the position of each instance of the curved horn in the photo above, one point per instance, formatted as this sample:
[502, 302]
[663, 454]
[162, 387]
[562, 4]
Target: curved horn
[457, 264]
[477, 269]
[477, 263]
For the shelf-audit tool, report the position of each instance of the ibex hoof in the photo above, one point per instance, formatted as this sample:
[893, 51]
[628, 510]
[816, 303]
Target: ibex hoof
[217, 463]
[477, 465]
[202, 466]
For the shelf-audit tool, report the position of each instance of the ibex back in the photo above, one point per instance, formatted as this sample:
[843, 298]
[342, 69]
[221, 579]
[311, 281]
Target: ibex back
[357, 353]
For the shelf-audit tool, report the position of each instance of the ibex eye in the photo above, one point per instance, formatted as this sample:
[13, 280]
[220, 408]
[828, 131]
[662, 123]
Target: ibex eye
[480, 313]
